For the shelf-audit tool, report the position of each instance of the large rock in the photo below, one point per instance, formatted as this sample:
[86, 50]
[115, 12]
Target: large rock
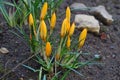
[87, 21]
[101, 13]
[78, 6]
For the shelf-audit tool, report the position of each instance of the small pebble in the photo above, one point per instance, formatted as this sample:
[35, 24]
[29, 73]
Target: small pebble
[4, 50]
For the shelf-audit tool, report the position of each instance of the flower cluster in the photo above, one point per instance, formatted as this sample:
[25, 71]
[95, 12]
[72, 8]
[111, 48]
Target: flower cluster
[67, 30]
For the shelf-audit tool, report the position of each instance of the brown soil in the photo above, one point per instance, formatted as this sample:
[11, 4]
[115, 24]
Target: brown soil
[108, 48]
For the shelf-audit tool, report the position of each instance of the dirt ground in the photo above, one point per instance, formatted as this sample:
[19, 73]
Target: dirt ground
[108, 49]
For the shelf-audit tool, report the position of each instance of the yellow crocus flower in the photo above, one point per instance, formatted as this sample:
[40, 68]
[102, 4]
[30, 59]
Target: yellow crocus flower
[30, 20]
[68, 42]
[72, 29]
[82, 38]
[64, 28]
[68, 13]
[44, 11]
[43, 30]
[48, 49]
[53, 21]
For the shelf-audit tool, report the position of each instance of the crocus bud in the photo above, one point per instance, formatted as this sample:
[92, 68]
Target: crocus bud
[57, 56]
[72, 29]
[30, 20]
[43, 30]
[64, 28]
[53, 21]
[48, 49]
[68, 26]
[68, 42]
[44, 10]
[82, 38]
[68, 13]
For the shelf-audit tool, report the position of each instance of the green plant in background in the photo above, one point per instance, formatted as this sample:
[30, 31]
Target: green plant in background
[16, 13]
[12, 13]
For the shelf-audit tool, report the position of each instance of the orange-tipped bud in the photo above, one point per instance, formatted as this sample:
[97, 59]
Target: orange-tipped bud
[43, 30]
[64, 28]
[68, 42]
[72, 29]
[48, 49]
[44, 10]
[68, 13]
[57, 56]
[53, 21]
[82, 38]
[30, 20]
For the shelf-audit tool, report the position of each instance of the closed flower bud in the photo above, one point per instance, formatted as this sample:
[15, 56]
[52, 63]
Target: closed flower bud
[82, 38]
[68, 42]
[72, 29]
[68, 26]
[53, 21]
[68, 13]
[44, 10]
[43, 30]
[63, 28]
[30, 20]
[57, 56]
[48, 49]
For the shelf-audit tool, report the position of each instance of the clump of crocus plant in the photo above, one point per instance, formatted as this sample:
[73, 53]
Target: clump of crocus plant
[64, 54]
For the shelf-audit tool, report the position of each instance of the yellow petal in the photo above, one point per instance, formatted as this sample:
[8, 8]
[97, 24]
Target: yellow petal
[30, 20]
[63, 28]
[82, 38]
[43, 30]
[72, 29]
[53, 21]
[48, 49]
[44, 10]
[68, 42]
[68, 26]
[68, 13]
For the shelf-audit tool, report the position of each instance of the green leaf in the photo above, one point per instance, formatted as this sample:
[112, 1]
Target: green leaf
[7, 3]
[40, 74]
[76, 71]
[30, 68]
[55, 76]
[65, 75]
[44, 77]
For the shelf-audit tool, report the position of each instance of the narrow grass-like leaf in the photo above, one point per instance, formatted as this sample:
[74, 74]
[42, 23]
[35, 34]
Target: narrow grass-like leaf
[65, 75]
[55, 76]
[30, 68]
[76, 71]
[44, 77]
[40, 74]
[7, 3]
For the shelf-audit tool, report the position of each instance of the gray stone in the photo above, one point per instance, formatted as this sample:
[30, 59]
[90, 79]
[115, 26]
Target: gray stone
[87, 21]
[101, 14]
[78, 6]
